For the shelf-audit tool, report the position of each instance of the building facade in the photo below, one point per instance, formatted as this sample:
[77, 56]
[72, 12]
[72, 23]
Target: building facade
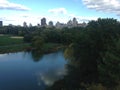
[43, 22]
[75, 22]
[24, 24]
[1, 23]
[50, 24]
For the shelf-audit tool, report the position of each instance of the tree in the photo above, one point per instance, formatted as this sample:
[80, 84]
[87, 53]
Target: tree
[38, 43]
[110, 67]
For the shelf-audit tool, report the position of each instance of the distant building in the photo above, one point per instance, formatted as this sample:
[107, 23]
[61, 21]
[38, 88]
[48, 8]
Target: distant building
[30, 25]
[69, 24]
[50, 24]
[60, 25]
[72, 23]
[10, 25]
[82, 24]
[75, 22]
[24, 24]
[38, 25]
[1, 23]
[43, 22]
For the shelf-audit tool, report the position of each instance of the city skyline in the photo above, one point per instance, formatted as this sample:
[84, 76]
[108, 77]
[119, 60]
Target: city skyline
[43, 23]
[32, 11]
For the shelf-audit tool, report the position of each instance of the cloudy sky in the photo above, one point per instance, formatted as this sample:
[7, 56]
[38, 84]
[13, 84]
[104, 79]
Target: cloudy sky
[31, 11]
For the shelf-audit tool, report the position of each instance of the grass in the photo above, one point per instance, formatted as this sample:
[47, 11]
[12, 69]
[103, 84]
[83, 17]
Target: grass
[14, 48]
[7, 40]
[15, 44]
[12, 44]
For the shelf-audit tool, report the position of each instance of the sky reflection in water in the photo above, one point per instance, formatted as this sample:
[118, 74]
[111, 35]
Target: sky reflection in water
[19, 71]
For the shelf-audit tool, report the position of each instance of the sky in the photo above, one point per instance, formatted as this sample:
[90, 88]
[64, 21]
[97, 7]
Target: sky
[32, 11]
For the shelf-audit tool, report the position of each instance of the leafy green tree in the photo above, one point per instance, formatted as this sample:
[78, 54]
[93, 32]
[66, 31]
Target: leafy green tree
[38, 43]
[110, 67]
[93, 56]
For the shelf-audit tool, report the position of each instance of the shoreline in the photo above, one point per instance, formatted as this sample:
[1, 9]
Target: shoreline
[28, 48]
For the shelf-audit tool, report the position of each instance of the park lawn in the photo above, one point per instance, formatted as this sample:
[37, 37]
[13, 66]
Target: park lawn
[8, 40]
[15, 44]
[12, 44]
[14, 48]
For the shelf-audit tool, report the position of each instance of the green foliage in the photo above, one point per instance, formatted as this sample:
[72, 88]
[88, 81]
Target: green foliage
[96, 87]
[51, 47]
[38, 43]
[68, 54]
[52, 36]
[93, 56]
[110, 66]
[28, 38]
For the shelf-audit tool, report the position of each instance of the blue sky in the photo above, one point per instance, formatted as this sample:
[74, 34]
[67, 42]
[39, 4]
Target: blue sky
[31, 11]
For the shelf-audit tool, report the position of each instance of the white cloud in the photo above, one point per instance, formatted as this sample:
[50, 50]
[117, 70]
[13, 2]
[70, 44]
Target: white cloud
[109, 6]
[58, 11]
[49, 77]
[5, 4]
[2, 55]
[66, 16]
[83, 18]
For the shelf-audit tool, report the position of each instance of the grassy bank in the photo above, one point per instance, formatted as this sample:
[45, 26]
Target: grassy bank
[52, 47]
[12, 44]
[10, 40]
[14, 48]
[16, 44]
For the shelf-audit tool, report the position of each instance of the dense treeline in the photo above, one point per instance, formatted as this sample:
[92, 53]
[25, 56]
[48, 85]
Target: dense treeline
[94, 60]
[16, 30]
[53, 35]
[93, 53]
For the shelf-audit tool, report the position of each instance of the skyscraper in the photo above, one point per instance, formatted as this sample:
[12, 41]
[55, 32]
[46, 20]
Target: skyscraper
[1, 23]
[75, 22]
[24, 24]
[43, 22]
[51, 24]
[69, 24]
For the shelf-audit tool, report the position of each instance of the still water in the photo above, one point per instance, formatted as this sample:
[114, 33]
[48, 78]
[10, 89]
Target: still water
[20, 71]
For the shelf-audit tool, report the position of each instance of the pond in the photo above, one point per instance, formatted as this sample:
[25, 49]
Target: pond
[20, 71]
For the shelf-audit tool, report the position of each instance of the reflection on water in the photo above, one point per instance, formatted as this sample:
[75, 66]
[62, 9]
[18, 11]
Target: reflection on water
[50, 76]
[19, 71]
[36, 55]
[1, 55]
[86, 70]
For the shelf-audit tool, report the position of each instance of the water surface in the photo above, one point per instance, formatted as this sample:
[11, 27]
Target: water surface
[20, 71]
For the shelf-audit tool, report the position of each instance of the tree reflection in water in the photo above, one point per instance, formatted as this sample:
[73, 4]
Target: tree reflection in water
[80, 72]
[84, 73]
[36, 55]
